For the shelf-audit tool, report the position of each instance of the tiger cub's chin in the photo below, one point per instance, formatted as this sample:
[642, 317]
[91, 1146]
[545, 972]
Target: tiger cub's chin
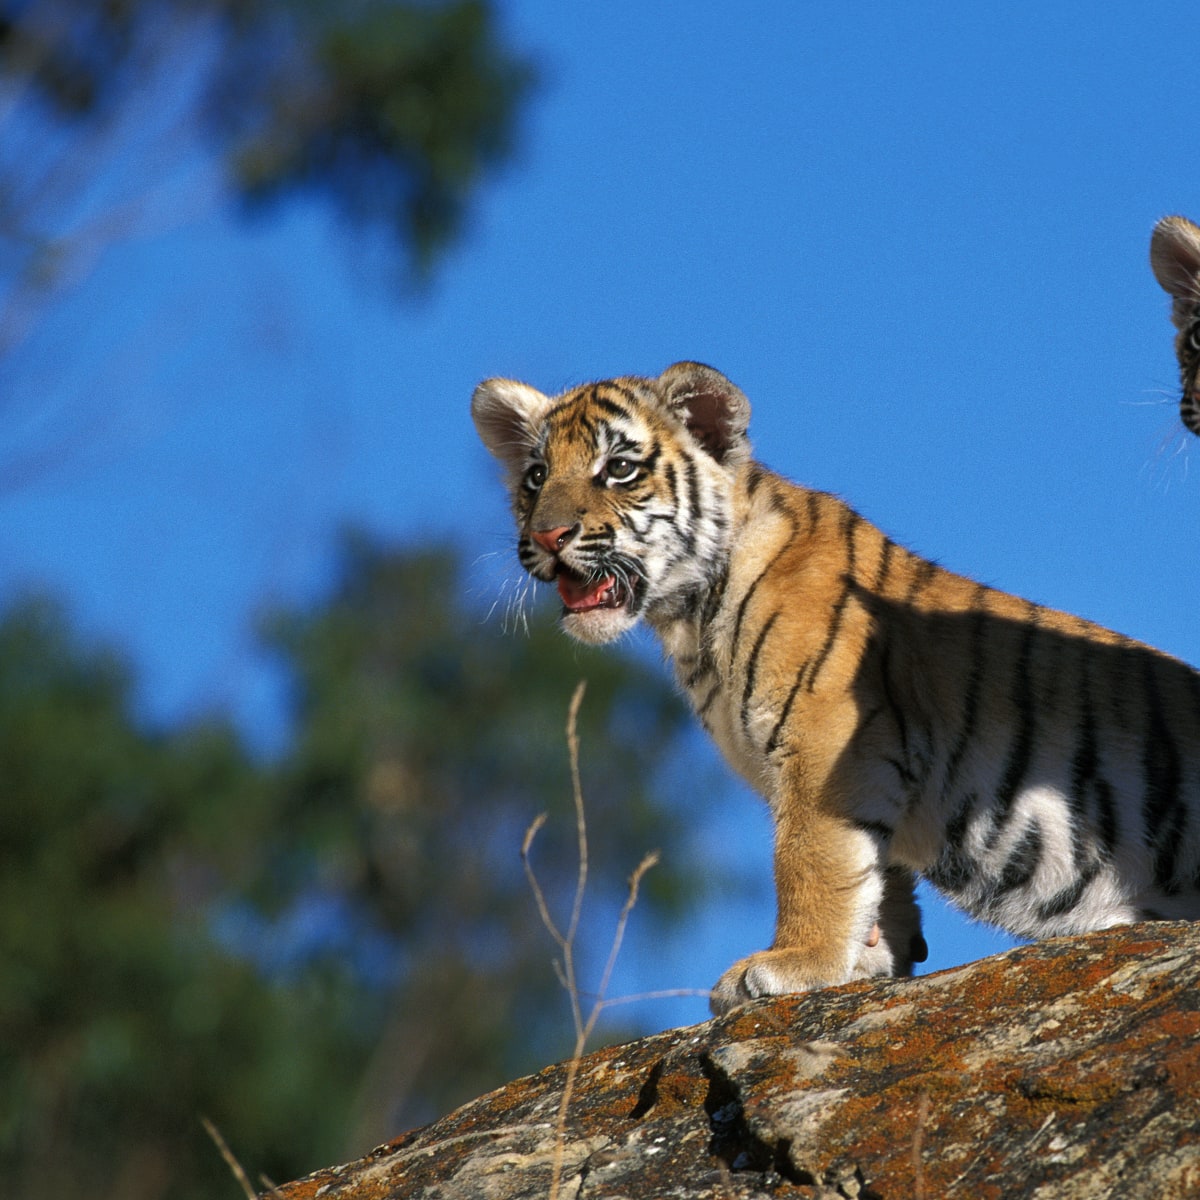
[598, 625]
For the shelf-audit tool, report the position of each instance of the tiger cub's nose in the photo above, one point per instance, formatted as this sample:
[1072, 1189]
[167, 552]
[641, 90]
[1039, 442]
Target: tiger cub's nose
[553, 540]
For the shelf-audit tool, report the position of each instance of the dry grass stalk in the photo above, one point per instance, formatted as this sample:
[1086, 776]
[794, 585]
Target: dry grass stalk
[230, 1160]
[239, 1172]
[565, 938]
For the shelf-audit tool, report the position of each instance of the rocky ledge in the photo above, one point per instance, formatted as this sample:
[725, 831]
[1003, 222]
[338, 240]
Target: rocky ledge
[1069, 1068]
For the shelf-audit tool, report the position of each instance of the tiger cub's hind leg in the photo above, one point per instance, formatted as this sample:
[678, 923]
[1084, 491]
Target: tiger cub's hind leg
[896, 942]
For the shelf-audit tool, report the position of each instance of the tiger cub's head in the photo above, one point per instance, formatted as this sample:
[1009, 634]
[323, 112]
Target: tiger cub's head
[621, 489]
[1175, 257]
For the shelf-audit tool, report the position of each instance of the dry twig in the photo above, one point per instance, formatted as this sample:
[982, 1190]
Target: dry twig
[565, 938]
[230, 1161]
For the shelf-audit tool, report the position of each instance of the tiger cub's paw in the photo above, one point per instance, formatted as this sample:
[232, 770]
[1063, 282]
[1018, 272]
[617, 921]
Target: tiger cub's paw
[767, 973]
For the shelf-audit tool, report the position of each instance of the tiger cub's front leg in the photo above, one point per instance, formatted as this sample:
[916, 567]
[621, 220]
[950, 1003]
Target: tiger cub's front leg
[842, 915]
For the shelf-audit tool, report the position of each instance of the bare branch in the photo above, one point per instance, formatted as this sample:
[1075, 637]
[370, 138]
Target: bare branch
[230, 1161]
[658, 994]
[650, 860]
[577, 795]
[565, 969]
[538, 895]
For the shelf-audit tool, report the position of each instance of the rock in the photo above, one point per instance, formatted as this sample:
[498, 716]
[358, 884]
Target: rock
[1069, 1068]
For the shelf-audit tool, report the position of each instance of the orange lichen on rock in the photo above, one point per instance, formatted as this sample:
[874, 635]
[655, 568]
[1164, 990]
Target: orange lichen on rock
[1067, 1068]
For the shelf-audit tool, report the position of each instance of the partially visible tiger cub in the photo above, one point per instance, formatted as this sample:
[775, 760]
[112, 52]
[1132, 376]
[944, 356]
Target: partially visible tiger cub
[1175, 257]
[1041, 771]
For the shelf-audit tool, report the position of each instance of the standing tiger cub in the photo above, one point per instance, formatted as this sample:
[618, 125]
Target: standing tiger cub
[1041, 771]
[1175, 258]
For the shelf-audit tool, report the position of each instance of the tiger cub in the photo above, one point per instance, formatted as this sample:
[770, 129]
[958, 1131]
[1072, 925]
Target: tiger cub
[1040, 770]
[1175, 258]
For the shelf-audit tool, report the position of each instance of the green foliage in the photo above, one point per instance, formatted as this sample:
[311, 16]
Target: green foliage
[392, 112]
[119, 1020]
[314, 953]
[389, 109]
[126, 118]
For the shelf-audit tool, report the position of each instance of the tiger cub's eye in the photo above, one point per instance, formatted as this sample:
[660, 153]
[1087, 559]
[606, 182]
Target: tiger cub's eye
[535, 476]
[621, 470]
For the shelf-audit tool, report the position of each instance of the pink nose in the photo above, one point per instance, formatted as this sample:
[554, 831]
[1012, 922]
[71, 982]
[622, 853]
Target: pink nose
[552, 540]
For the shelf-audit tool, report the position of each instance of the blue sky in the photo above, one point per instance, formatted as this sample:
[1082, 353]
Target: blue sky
[915, 235]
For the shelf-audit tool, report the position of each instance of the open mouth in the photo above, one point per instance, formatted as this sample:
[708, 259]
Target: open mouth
[583, 594]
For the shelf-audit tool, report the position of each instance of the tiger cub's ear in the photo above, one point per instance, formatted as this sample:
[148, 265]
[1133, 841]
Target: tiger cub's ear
[507, 415]
[1175, 258]
[716, 413]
